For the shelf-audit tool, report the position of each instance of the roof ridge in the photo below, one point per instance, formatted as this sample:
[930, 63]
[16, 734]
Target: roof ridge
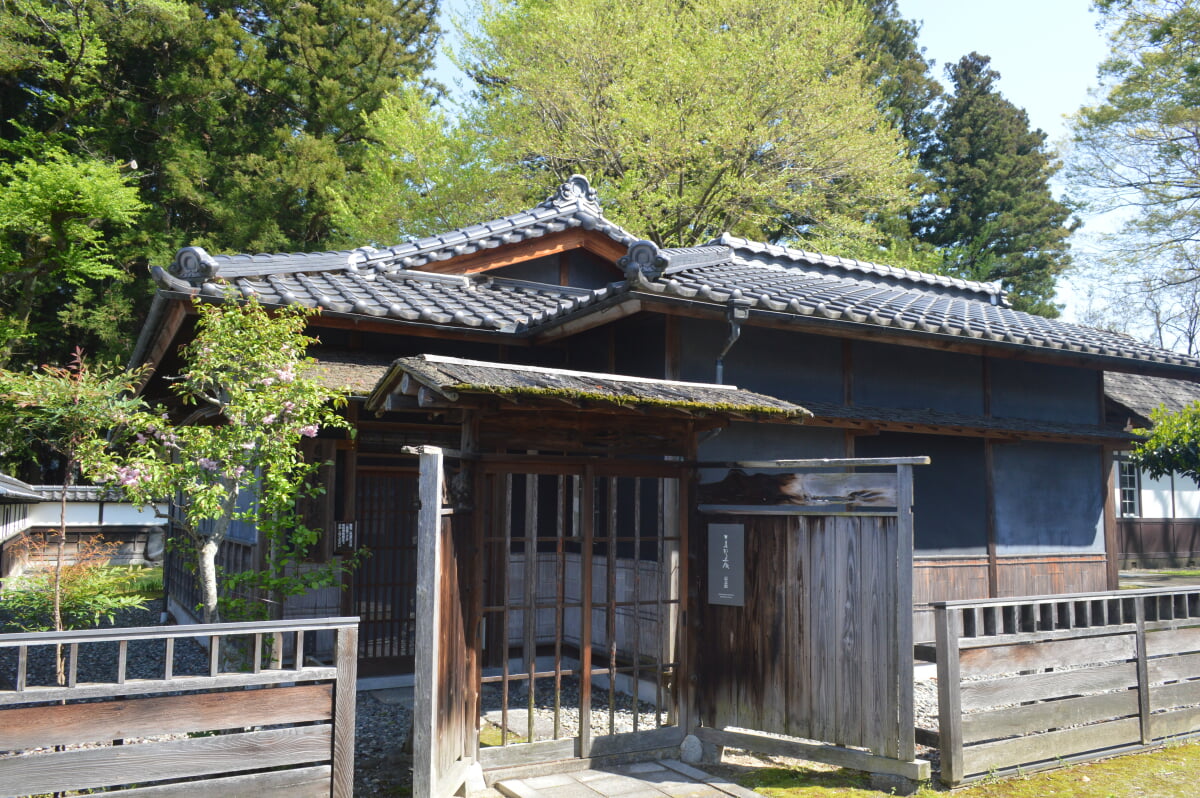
[989, 289]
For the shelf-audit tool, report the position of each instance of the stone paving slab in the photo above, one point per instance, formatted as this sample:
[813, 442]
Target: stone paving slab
[661, 779]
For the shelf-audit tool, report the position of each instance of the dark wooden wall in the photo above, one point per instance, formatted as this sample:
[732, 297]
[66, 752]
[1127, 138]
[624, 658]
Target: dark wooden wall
[1158, 542]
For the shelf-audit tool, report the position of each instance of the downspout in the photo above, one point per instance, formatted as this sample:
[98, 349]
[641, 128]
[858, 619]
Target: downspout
[737, 311]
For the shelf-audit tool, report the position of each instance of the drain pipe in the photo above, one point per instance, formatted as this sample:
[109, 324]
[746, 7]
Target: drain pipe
[737, 311]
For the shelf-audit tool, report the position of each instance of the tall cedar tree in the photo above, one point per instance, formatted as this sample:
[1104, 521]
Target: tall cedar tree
[991, 211]
[695, 118]
[233, 120]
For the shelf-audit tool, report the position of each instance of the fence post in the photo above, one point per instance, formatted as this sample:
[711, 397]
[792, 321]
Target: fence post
[425, 666]
[948, 627]
[903, 679]
[1143, 671]
[343, 712]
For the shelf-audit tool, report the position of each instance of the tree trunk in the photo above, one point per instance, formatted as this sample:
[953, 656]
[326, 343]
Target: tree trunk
[207, 572]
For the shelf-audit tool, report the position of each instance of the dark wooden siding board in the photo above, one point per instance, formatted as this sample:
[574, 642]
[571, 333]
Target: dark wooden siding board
[1034, 748]
[38, 727]
[310, 782]
[202, 756]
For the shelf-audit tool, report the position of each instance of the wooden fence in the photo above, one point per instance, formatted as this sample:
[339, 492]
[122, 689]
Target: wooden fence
[270, 728]
[1039, 682]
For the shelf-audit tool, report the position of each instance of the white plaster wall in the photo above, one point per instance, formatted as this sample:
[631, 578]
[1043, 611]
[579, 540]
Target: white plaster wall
[88, 514]
[1187, 497]
[1156, 497]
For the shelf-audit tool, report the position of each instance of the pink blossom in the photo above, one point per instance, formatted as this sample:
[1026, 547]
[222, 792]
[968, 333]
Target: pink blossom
[208, 464]
[237, 472]
[309, 431]
[128, 476]
[289, 407]
[269, 418]
[267, 382]
[285, 374]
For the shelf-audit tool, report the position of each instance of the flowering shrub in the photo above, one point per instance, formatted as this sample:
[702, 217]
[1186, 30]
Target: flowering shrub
[247, 376]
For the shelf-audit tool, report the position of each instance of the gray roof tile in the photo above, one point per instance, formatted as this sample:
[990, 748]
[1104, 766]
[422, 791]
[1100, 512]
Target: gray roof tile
[389, 284]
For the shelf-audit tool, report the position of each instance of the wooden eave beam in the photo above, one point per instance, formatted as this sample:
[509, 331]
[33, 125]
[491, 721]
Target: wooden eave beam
[962, 431]
[531, 249]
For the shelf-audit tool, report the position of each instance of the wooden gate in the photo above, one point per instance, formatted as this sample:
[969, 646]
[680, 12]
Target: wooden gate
[385, 582]
[581, 573]
[814, 640]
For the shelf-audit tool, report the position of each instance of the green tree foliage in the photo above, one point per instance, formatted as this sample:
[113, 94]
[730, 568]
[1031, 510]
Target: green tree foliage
[991, 211]
[694, 118]
[423, 173]
[1137, 150]
[64, 410]
[239, 460]
[1172, 445]
[897, 64]
[222, 124]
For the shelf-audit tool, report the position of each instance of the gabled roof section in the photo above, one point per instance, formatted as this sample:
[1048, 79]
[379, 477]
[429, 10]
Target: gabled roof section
[450, 379]
[573, 206]
[1142, 395]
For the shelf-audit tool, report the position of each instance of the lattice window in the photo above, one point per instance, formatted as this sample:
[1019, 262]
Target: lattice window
[1129, 483]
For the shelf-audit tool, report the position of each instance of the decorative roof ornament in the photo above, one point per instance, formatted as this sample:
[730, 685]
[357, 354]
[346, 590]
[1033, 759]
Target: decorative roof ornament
[643, 257]
[576, 189]
[194, 265]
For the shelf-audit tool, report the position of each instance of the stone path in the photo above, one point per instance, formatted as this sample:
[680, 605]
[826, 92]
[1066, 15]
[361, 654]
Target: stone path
[657, 779]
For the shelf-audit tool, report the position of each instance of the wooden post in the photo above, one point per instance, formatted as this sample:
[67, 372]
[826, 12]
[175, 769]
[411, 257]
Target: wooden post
[345, 695]
[1111, 543]
[903, 679]
[1143, 675]
[947, 625]
[425, 681]
[586, 513]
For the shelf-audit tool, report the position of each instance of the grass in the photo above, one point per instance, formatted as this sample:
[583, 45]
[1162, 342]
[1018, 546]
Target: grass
[1170, 772]
[147, 581]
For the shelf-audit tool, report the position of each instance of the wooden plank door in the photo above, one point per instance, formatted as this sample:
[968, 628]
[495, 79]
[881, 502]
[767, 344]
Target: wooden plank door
[385, 582]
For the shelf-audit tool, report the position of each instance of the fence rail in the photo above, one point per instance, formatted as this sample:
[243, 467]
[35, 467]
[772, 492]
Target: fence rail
[250, 723]
[1038, 682]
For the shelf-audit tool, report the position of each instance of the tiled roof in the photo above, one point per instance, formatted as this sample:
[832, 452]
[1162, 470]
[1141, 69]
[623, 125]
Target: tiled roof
[389, 284]
[768, 285]
[859, 270]
[1143, 394]
[14, 491]
[451, 377]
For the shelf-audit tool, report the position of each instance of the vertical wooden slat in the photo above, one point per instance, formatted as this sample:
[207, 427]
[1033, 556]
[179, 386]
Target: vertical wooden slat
[22, 667]
[947, 629]
[168, 659]
[903, 678]
[560, 566]
[506, 587]
[637, 597]
[214, 655]
[610, 602]
[299, 656]
[1112, 548]
[1143, 676]
[73, 669]
[346, 653]
[122, 660]
[585, 632]
[276, 651]
[256, 665]
[530, 613]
